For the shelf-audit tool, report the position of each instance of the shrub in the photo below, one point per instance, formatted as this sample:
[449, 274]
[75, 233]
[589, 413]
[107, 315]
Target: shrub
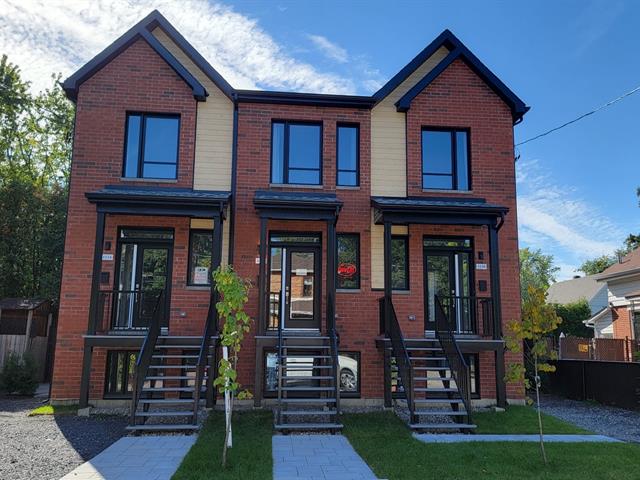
[19, 375]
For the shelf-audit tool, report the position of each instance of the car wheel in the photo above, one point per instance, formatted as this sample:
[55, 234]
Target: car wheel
[347, 380]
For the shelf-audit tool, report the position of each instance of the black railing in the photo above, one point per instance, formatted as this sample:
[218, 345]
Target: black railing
[470, 315]
[145, 355]
[210, 330]
[400, 352]
[445, 332]
[281, 367]
[126, 310]
[333, 338]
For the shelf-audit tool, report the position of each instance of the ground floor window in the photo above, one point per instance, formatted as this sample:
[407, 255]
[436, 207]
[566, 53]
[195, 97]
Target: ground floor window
[200, 247]
[121, 365]
[473, 360]
[349, 363]
[400, 262]
[348, 261]
[636, 325]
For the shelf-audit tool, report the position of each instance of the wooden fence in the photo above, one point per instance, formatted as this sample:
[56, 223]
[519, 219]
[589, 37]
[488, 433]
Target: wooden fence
[602, 349]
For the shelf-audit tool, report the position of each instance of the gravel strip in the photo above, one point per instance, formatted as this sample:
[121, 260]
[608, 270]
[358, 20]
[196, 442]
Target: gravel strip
[48, 447]
[610, 421]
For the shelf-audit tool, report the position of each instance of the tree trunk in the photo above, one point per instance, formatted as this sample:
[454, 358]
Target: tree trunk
[537, 382]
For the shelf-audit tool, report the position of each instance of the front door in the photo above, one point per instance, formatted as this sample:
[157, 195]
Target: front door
[142, 275]
[294, 287]
[448, 276]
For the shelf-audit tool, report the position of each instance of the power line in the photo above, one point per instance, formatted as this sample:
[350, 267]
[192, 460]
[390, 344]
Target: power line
[608, 104]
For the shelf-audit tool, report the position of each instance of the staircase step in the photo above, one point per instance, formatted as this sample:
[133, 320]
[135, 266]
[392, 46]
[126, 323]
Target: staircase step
[299, 368]
[292, 336]
[307, 389]
[310, 377]
[161, 427]
[310, 357]
[307, 400]
[309, 412]
[168, 346]
[181, 367]
[192, 357]
[171, 377]
[165, 414]
[442, 369]
[307, 347]
[442, 426]
[309, 426]
[430, 359]
[438, 400]
[424, 349]
[168, 389]
[435, 390]
[165, 401]
[433, 379]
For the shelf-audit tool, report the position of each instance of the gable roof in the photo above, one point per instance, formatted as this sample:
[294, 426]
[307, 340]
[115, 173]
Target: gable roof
[142, 30]
[457, 50]
[630, 264]
[570, 291]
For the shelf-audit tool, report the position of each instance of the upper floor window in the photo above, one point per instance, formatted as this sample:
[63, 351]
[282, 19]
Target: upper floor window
[296, 156]
[348, 155]
[151, 149]
[445, 159]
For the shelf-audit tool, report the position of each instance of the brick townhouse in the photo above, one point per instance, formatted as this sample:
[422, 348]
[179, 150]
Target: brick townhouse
[379, 234]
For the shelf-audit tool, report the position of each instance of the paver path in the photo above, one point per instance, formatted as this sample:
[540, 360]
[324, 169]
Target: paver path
[317, 457]
[136, 458]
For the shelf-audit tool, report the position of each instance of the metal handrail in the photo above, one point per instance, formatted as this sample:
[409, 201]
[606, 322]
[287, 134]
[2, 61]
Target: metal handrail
[473, 312]
[334, 339]
[445, 332]
[108, 308]
[203, 357]
[280, 372]
[144, 357]
[400, 352]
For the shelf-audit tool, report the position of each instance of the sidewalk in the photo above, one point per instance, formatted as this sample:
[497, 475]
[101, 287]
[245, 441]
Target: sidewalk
[136, 458]
[317, 457]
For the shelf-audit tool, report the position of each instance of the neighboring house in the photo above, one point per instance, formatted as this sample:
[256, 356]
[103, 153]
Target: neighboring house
[622, 282]
[589, 289]
[371, 227]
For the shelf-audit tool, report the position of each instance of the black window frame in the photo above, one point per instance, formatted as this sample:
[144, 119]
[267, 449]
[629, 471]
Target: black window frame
[340, 125]
[198, 231]
[404, 238]
[143, 125]
[357, 237]
[454, 158]
[111, 376]
[285, 152]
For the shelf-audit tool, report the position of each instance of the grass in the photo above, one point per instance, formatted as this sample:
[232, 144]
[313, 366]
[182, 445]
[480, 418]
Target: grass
[386, 444]
[54, 410]
[520, 419]
[250, 457]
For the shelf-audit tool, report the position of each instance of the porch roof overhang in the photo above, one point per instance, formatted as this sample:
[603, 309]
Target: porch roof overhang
[296, 205]
[442, 211]
[178, 202]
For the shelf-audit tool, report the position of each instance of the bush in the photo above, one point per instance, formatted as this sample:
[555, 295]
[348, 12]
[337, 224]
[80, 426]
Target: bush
[19, 375]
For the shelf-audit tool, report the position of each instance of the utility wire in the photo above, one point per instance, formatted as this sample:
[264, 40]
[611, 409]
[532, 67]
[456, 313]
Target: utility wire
[608, 104]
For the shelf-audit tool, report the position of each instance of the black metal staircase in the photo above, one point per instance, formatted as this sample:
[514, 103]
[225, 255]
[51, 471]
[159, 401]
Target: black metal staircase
[308, 385]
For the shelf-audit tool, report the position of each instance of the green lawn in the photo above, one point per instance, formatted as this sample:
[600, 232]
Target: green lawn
[520, 419]
[386, 444]
[250, 457]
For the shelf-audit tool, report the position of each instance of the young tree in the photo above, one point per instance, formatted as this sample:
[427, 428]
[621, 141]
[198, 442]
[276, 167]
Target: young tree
[536, 269]
[233, 292]
[539, 319]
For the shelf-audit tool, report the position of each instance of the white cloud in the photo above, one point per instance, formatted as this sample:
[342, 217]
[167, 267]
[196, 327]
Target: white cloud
[59, 36]
[330, 49]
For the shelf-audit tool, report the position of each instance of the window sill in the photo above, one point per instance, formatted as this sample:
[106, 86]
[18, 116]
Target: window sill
[294, 185]
[393, 292]
[348, 290]
[198, 288]
[347, 187]
[434, 190]
[153, 180]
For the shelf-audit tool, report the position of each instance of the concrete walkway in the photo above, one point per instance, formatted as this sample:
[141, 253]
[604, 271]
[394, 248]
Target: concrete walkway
[317, 457]
[136, 458]
[461, 438]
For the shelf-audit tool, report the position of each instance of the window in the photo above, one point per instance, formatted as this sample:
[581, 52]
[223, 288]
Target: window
[151, 146]
[348, 155]
[473, 360]
[121, 365]
[296, 153]
[348, 261]
[445, 160]
[400, 263]
[200, 247]
[636, 325]
[349, 364]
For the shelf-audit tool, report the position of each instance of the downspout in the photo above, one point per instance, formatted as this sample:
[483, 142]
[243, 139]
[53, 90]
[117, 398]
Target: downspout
[234, 165]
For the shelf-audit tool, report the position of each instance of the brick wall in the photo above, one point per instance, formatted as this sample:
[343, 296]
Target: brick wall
[622, 326]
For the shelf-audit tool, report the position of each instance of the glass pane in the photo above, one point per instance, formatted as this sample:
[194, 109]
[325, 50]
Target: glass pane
[447, 242]
[159, 170]
[153, 281]
[304, 146]
[443, 182]
[277, 153]
[304, 177]
[399, 273]
[438, 282]
[349, 364]
[161, 139]
[301, 288]
[348, 268]
[462, 161]
[125, 297]
[347, 148]
[132, 146]
[436, 152]
[463, 292]
[275, 288]
[348, 179]
[271, 372]
[200, 258]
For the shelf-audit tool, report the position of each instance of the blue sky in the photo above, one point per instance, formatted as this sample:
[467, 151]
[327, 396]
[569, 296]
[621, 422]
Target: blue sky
[576, 187]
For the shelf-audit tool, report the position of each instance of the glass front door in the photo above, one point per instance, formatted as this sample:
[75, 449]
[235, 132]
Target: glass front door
[294, 288]
[448, 276]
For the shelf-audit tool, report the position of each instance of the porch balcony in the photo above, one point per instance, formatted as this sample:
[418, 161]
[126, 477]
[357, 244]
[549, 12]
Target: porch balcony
[126, 312]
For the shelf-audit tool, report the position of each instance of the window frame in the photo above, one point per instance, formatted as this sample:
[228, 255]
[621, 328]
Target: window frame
[357, 237]
[454, 158]
[338, 169]
[475, 379]
[405, 238]
[141, 137]
[285, 152]
[109, 376]
[189, 260]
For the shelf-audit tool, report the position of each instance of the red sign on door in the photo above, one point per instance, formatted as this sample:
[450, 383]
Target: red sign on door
[347, 270]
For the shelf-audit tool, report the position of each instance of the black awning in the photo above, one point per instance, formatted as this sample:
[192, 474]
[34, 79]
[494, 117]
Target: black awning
[132, 200]
[449, 211]
[296, 205]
